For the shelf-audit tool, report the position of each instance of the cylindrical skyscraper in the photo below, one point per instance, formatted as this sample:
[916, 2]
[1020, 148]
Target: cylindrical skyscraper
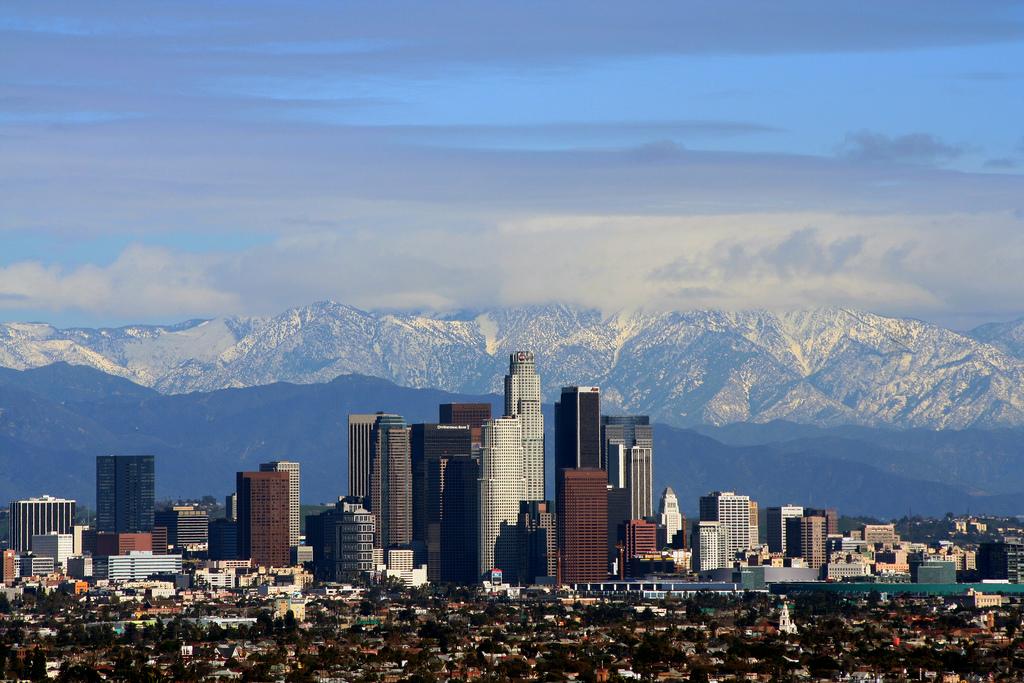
[522, 400]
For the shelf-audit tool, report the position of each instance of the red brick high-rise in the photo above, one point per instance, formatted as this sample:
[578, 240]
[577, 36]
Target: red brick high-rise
[8, 567]
[582, 523]
[263, 522]
[640, 537]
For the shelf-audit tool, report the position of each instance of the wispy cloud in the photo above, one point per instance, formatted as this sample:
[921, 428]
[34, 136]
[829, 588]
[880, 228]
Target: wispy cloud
[913, 148]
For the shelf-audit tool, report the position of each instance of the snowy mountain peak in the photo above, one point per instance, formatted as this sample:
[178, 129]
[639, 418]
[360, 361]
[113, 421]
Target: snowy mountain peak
[820, 366]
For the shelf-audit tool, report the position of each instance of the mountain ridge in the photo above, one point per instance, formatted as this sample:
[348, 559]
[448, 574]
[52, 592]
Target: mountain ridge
[827, 366]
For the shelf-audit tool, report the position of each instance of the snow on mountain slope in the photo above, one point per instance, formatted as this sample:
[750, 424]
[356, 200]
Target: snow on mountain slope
[826, 366]
[1007, 337]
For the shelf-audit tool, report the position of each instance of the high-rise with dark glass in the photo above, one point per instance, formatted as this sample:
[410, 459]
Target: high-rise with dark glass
[360, 428]
[460, 525]
[538, 553]
[578, 429]
[433, 445]
[125, 490]
[473, 415]
[581, 487]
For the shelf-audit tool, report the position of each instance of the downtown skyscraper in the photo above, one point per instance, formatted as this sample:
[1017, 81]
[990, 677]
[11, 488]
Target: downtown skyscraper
[523, 400]
[501, 491]
[578, 429]
[627, 453]
[33, 516]
[262, 531]
[581, 487]
[294, 497]
[125, 491]
[433, 446]
[390, 486]
[732, 512]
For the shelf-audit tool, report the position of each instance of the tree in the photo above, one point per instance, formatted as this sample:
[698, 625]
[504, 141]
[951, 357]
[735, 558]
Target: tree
[38, 670]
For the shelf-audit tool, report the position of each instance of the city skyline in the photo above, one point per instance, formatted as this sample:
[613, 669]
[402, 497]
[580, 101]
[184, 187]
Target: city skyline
[447, 341]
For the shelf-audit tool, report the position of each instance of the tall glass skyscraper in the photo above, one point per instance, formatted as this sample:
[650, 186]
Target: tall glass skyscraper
[578, 429]
[390, 491]
[522, 400]
[125, 490]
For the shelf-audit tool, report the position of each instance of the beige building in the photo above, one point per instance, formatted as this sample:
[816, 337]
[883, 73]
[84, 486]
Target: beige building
[881, 533]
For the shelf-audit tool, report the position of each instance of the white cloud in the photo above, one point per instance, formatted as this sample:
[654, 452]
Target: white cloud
[142, 281]
[926, 265]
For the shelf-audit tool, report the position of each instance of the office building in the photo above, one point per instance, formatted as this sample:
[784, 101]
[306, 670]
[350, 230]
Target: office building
[294, 497]
[578, 429]
[473, 415]
[263, 525]
[222, 539]
[355, 541]
[732, 511]
[57, 546]
[77, 532]
[619, 513]
[401, 565]
[775, 520]
[831, 516]
[107, 543]
[925, 570]
[432, 446]
[35, 565]
[341, 540]
[627, 453]
[670, 516]
[639, 537]
[80, 567]
[755, 531]
[884, 534]
[806, 538]
[34, 516]
[125, 490]
[9, 569]
[1002, 560]
[159, 538]
[582, 524]
[360, 429]
[538, 553]
[460, 524]
[523, 400]
[391, 481]
[231, 507]
[135, 566]
[501, 491]
[708, 547]
[187, 526]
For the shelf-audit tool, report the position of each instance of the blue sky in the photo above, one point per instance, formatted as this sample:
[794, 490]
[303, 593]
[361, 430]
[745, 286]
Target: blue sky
[175, 160]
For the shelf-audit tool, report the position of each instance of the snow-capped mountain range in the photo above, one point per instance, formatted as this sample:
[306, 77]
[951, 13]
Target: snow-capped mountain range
[825, 366]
